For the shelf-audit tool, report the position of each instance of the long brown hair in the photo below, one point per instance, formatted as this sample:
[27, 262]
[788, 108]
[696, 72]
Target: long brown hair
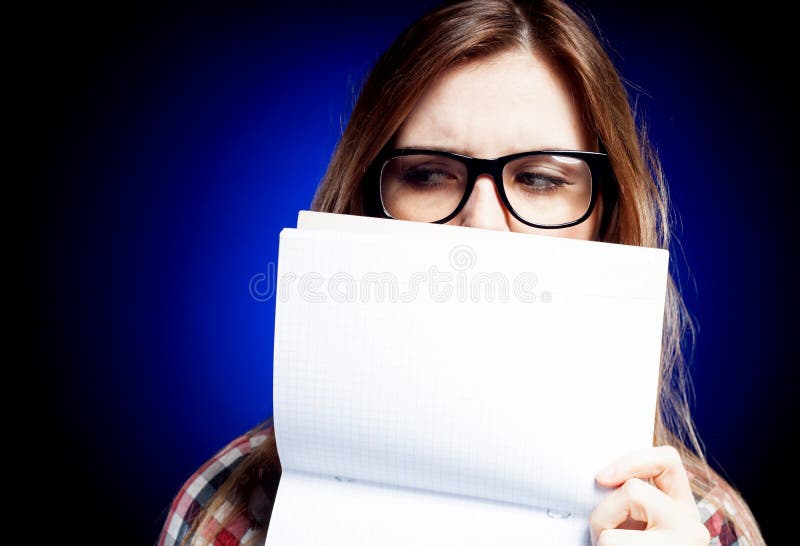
[465, 30]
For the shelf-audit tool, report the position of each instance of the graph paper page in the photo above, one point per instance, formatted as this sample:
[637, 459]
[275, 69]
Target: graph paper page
[491, 366]
[315, 511]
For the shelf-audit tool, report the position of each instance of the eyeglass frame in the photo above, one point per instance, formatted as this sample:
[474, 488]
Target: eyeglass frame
[598, 162]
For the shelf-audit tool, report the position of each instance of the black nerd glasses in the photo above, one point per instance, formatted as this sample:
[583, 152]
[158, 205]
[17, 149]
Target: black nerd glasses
[542, 189]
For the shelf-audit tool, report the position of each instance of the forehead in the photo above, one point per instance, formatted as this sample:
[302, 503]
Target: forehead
[509, 102]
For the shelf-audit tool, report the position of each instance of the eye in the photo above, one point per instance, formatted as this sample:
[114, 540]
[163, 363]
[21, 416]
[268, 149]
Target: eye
[540, 181]
[423, 172]
[428, 175]
[545, 174]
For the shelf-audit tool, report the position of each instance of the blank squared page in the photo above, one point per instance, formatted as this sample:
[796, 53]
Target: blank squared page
[488, 365]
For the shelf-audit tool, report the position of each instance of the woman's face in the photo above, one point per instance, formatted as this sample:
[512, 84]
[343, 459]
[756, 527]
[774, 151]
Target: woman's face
[511, 102]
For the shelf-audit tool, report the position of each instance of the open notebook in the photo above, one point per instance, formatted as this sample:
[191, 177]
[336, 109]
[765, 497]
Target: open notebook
[438, 384]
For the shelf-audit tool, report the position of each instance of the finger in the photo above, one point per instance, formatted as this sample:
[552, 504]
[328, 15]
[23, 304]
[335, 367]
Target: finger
[634, 500]
[661, 464]
[625, 537]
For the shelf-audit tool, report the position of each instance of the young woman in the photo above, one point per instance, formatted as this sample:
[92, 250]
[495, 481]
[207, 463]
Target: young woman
[503, 79]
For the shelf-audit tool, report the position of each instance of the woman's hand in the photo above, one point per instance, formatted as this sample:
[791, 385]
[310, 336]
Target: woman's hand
[652, 505]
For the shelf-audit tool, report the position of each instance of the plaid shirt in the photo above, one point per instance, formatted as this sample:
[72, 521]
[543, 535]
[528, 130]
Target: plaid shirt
[199, 488]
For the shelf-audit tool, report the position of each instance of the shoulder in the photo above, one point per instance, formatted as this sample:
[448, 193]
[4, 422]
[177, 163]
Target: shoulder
[197, 491]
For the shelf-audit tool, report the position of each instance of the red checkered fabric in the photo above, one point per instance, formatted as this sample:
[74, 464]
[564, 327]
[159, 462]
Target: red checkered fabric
[717, 519]
[198, 490]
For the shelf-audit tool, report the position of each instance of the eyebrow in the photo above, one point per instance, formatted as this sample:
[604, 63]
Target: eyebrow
[436, 149]
[470, 154]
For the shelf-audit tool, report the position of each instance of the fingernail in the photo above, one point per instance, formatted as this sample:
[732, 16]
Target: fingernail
[606, 474]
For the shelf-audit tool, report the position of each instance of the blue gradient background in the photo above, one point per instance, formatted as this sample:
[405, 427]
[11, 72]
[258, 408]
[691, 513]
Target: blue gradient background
[172, 143]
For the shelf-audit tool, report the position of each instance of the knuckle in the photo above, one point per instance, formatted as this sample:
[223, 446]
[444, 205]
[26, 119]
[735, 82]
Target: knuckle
[632, 487]
[671, 454]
